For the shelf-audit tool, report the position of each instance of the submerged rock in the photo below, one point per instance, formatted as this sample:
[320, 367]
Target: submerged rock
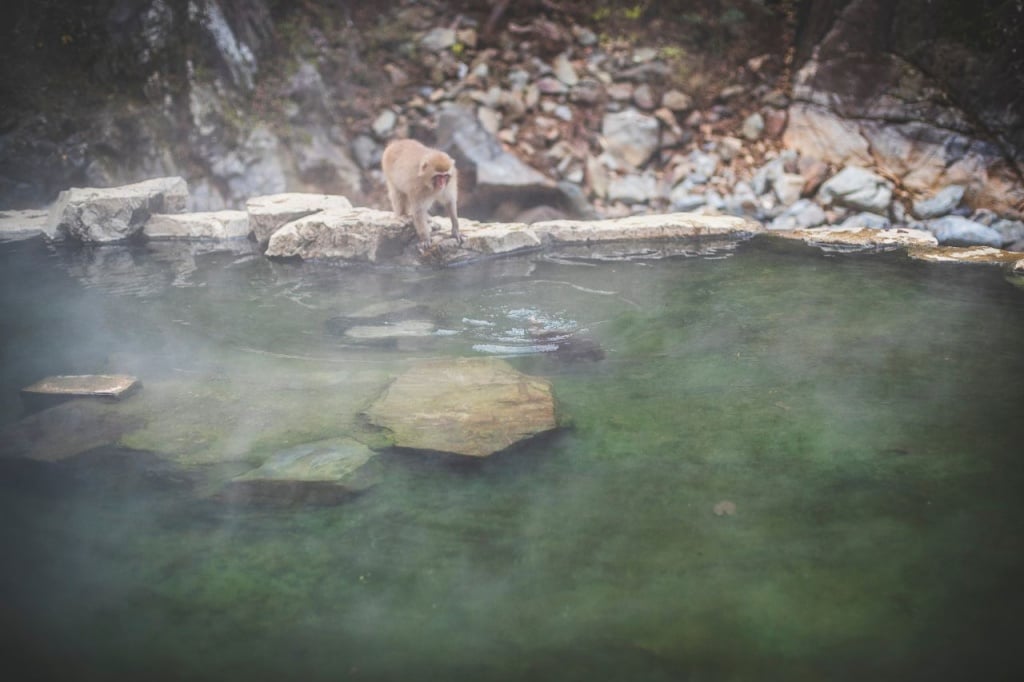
[324, 472]
[66, 430]
[465, 406]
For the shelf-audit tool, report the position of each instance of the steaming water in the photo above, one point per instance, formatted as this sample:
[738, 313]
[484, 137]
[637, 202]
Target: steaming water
[862, 413]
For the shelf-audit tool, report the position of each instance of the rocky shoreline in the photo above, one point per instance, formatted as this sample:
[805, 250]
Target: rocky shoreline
[329, 227]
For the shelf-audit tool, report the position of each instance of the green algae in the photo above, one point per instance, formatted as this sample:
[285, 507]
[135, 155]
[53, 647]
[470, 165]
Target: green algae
[861, 412]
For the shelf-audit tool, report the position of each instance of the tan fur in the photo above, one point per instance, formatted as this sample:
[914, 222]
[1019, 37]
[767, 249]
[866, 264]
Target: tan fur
[409, 170]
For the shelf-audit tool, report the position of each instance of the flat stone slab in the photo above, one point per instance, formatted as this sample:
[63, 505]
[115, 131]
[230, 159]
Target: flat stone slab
[967, 254]
[114, 386]
[666, 227]
[207, 225]
[17, 225]
[369, 235]
[860, 238]
[383, 332]
[464, 406]
[324, 472]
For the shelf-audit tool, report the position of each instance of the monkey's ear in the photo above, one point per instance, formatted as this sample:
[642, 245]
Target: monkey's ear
[424, 164]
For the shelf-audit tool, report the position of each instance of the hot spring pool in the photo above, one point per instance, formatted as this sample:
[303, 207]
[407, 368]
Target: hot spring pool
[856, 421]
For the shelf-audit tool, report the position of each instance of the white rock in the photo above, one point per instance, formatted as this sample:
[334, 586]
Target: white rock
[631, 136]
[99, 215]
[753, 126]
[269, 213]
[857, 188]
[211, 225]
[644, 227]
[939, 204]
[633, 189]
[861, 237]
[870, 220]
[564, 70]
[954, 229]
[438, 39]
[15, 225]
[384, 123]
[801, 215]
[787, 188]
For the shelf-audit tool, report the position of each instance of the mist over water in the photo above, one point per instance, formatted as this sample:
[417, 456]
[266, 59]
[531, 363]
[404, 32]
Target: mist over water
[861, 413]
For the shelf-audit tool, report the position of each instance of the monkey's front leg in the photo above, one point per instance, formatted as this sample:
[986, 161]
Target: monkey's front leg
[453, 214]
[419, 221]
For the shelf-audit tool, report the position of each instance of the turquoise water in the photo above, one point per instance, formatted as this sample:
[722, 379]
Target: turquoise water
[863, 415]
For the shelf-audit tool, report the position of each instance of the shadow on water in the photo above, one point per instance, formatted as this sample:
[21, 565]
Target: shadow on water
[781, 465]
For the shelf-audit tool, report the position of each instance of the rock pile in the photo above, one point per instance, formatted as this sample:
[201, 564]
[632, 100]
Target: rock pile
[609, 118]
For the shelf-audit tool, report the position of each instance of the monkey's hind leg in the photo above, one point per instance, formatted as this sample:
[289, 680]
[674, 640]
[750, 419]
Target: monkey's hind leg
[399, 202]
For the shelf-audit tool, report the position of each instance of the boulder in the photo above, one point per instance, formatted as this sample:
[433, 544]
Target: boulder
[360, 234]
[939, 204]
[633, 189]
[497, 176]
[98, 215]
[801, 215]
[268, 213]
[325, 472]
[465, 406]
[857, 188]
[209, 225]
[631, 136]
[870, 220]
[959, 231]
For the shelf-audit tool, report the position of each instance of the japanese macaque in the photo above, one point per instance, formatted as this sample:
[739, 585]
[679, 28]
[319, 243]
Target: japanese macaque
[417, 176]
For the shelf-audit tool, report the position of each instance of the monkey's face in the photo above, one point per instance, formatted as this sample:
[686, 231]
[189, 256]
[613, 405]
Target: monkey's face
[441, 180]
[438, 168]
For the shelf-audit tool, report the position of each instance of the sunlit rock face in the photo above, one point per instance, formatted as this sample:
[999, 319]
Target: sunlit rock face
[465, 406]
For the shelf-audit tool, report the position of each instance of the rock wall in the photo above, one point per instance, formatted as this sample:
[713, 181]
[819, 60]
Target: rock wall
[908, 88]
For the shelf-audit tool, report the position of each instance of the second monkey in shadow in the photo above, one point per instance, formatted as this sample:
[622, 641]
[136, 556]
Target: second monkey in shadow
[417, 176]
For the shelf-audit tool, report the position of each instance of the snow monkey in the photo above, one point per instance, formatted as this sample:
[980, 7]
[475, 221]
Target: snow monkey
[417, 176]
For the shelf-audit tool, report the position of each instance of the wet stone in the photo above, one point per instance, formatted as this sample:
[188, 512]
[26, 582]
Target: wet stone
[320, 473]
[55, 389]
[465, 406]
